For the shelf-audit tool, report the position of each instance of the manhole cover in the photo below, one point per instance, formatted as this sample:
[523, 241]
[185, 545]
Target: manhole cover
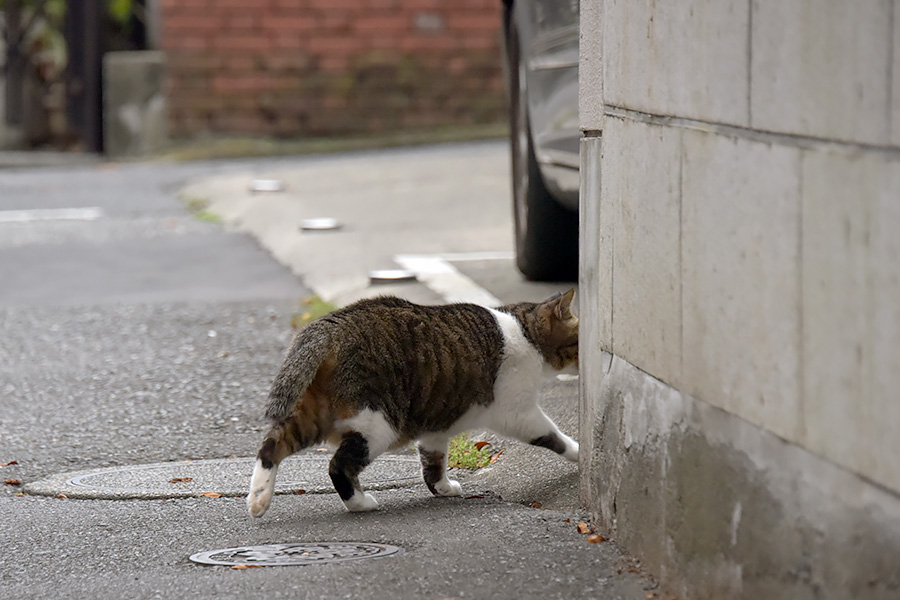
[226, 477]
[280, 555]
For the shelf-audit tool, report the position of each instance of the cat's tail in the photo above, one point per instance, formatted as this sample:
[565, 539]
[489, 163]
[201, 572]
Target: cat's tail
[309, 349]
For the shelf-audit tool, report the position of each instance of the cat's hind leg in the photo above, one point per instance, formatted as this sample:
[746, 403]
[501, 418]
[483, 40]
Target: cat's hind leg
[534, 427]
[282, 440]
[433, 454]
[367, 435]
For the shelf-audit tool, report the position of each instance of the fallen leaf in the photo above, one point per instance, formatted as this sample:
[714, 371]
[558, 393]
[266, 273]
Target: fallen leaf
[481, 445]
[321, 449]
[181, 479]
[651, 595]
[9, 464]
[473, 496]
[583, 527]
[12, 482]
[20, 495]
[210, 495]
[242, 567]
[495, 457]
[61, 496]
[595, 539]
[300, 492]
[536, 505]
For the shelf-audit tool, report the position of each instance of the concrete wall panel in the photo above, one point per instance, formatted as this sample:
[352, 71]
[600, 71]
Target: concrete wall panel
[851, 282]
[819, 68]
[883, 447]
[596, 247]
[590, 67]
[740, 261]
[687, 58]
[641, 190]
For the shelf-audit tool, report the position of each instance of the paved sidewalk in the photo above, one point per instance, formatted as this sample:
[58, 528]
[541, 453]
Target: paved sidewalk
[185, 380]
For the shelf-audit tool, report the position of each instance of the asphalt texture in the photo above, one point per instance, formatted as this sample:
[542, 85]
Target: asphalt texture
[148, 336]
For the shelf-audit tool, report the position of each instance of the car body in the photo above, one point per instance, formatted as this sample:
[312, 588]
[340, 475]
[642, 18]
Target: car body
[541, 60]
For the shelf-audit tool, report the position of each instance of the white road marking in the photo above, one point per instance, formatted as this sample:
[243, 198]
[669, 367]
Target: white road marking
[51, 214]
[435, 271]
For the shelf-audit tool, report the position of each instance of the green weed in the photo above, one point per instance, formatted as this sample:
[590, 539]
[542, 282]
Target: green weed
[312, 308]
[465, 454]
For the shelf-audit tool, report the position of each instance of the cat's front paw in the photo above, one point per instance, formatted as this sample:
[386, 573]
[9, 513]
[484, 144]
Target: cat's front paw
[448, 487]
[361, 502]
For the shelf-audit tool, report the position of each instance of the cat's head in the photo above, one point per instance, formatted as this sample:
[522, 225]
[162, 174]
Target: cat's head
[554, 329]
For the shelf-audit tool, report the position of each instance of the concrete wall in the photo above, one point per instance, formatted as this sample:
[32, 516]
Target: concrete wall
[741, 292]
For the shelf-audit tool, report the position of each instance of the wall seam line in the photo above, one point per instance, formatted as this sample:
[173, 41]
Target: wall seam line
[803, 142]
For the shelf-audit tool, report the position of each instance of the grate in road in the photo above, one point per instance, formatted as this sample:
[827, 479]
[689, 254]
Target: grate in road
[308, 553]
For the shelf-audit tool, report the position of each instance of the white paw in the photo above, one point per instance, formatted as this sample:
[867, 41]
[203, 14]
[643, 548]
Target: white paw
[448, 487]
[571, 452]
[262, 487]
[258, 502]
[361, 502]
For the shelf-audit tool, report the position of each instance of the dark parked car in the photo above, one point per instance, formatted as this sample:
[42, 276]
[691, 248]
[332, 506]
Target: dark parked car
[541, 43]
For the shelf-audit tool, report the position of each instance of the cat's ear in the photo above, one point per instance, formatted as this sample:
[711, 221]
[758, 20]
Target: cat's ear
[562, 308]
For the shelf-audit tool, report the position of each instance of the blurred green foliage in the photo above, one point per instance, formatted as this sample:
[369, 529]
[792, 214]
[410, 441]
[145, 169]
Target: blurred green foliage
[120, 10]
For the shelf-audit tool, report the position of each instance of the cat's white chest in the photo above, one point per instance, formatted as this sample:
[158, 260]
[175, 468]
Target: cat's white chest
[521, 371]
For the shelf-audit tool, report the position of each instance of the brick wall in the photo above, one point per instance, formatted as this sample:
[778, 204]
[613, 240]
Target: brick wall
[320, 67]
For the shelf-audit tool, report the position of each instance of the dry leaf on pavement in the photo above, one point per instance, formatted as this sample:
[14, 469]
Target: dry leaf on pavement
[481, 445]
[181, 479]
[210, 495]
[536, 505]
[583, 527]
[9, 464]
[241, 567]
[12, 482]
[495, 457]
[595, 539]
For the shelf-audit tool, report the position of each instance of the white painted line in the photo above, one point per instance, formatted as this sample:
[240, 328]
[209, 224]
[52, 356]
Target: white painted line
[435, 271]
[474, 256]
[51, 214]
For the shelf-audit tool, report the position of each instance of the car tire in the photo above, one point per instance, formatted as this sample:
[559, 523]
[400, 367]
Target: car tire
[546, 233]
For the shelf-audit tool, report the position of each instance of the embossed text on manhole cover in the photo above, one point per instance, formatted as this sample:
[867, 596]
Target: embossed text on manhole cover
[226, 477]
[281, 555]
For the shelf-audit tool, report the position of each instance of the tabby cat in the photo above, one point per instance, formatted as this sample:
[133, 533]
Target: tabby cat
[383, 372]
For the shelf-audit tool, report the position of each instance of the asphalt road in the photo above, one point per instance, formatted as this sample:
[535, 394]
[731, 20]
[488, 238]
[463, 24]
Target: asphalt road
[146, 335]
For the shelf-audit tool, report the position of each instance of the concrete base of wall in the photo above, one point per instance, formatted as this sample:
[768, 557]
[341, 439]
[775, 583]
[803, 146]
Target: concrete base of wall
[719, 508]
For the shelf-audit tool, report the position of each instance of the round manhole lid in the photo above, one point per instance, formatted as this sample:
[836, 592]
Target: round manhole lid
[225, 477]
[308, 553]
